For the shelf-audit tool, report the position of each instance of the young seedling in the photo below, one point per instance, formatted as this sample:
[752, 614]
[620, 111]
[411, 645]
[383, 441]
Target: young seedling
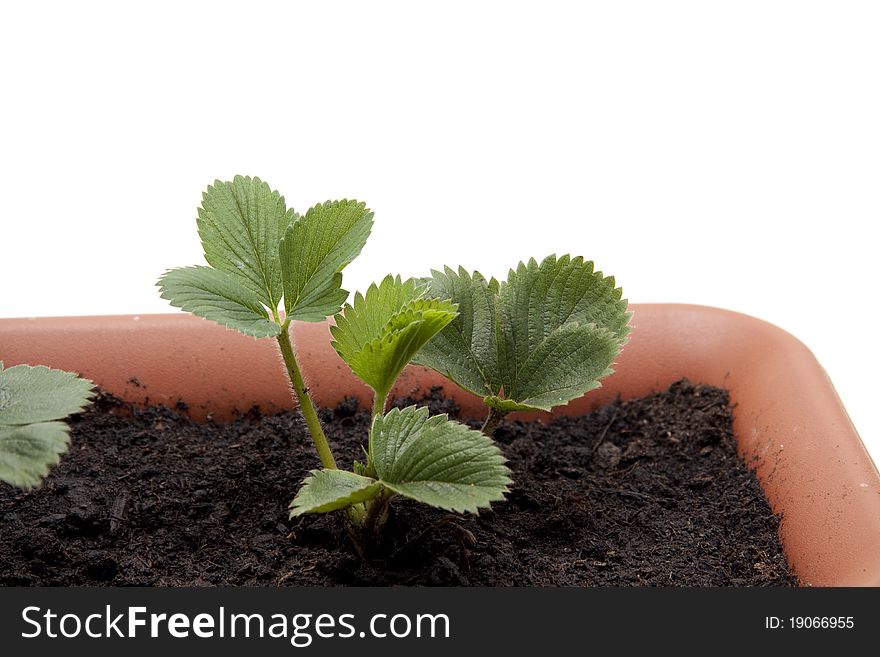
[432, 460]
[259, 254]
[542, 338]
[33, 403]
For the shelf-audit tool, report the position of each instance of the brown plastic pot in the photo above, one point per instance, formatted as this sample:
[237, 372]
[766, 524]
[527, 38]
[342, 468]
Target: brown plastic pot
[790, 424]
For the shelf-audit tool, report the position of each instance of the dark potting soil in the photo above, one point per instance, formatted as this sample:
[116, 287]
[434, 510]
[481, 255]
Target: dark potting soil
[644, 492]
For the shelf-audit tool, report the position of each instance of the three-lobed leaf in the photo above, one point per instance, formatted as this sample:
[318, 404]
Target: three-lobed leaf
[545, 336]
[259, 252]
[32, 401]
[432, 460]
[378, 335]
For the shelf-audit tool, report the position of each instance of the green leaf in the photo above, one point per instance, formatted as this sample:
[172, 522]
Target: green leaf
[437, 461]
[218, 296]
[32, 399]
[538, 299]
[381, 332]
[432, 460]
[544, 337]
[40, 394]
[466, 350]
[314, 249]
[241, 224]
[363, 320]
[27, 452]
[328, 490]
[568, 363]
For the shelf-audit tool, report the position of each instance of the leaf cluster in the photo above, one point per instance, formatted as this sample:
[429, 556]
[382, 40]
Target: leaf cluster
[433, 460]
[378, 335]
[259, 252]
[546, 335]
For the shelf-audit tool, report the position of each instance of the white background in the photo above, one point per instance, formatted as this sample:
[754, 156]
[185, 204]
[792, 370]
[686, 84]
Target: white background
[720, 153]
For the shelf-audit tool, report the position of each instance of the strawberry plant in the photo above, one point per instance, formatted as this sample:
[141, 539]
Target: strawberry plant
[33, 404]
[545, 336]
[262, 256]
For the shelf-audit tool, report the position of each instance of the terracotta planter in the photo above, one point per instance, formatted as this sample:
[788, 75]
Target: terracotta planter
[790, 423]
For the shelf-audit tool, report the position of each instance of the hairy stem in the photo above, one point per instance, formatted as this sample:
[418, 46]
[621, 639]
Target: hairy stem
[493, 420]
[377, 513]
[305, 401]
[353, 528]
[379, 404]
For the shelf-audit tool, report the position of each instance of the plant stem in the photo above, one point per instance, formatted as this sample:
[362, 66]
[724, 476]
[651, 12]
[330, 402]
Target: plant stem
[305, 401]
[493, 420]
[377, 513]
[379, 404]
[353, 528]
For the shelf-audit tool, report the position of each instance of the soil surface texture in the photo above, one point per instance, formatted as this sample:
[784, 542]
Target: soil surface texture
[643, 492]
